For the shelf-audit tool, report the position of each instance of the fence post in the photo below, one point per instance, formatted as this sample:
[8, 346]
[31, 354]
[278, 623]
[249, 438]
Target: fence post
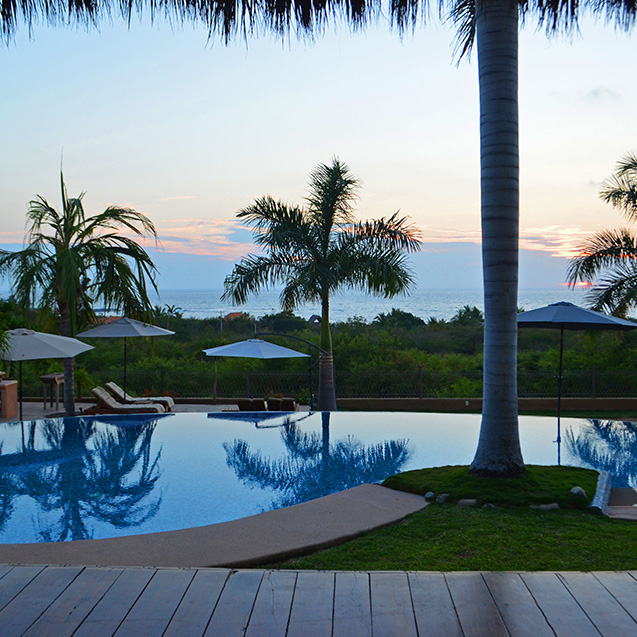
[162, 380]
[593, 379]
[420, 381]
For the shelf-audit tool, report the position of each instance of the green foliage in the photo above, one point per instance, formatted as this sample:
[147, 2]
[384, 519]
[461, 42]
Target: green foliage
[282, 322]
[398, 319]
[468, 315]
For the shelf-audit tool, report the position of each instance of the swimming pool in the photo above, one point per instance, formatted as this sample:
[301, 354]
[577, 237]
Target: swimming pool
[107, 476]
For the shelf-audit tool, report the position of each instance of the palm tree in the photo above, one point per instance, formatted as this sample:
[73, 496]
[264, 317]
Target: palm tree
[609, 258]
[72, 260]
[317, 250]
[494, 25]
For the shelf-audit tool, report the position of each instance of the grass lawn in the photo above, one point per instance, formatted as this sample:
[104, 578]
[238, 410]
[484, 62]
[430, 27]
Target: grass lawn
[512, 537]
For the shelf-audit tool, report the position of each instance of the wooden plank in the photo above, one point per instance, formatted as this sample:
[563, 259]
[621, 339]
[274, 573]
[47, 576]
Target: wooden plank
[519, 611]
[313, 605]
[35, 598]
[352, 605]
[68, 611]
[272, 607]
[4, 569]
[602, 608]
[622, 587]
[15, 580]
[234, 607]
[157, 604]
[195, 610]
[392, 607]
[109, 613]
[433, 606]
[476, 609]
[562, 612]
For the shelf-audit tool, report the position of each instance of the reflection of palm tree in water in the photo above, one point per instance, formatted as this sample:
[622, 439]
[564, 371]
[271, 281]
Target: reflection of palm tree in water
[9, 490]
[607, 445]
[107, 480]
[315, 467]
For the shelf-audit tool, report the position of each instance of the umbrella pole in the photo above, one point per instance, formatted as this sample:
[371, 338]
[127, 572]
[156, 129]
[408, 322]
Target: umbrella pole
[124, 365]
[310, 372]
[559, 389]
[20, 392]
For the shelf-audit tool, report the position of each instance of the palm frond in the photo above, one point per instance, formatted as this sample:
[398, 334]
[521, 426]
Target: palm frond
[278, 227]
[620, 190]
[332, 193]
[255, 273]
[606, 249]
[394, 233]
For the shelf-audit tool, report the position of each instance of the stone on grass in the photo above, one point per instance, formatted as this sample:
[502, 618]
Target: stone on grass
[578, 492]
[442, 498]
[488, 505]
[467, 502]
[553, 506]
[429, 496]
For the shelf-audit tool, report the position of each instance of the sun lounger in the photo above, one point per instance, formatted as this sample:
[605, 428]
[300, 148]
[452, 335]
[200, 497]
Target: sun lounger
[289, 404]
[121, 396]
[106, 404]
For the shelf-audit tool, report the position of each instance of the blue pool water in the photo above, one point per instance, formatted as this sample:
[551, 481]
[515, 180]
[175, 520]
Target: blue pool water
[97, 477]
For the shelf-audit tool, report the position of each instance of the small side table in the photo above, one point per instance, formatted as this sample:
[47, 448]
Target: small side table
[53, 380]
[8, 398]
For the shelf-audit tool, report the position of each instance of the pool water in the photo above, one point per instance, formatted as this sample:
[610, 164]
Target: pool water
[107, 476]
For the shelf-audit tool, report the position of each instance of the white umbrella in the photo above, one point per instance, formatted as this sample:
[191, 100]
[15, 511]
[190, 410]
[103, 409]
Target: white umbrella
[26, 345]
[124, 328]
[253, 348]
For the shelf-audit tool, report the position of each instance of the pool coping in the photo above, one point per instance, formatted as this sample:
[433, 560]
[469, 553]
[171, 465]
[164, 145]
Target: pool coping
[251, 541]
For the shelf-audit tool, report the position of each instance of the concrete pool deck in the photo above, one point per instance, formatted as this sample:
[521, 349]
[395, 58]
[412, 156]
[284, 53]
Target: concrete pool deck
[255, 540]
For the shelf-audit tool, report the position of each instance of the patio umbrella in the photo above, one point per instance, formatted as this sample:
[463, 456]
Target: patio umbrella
[26, 345]
[566, 316]
[124, 328]
[252, 348]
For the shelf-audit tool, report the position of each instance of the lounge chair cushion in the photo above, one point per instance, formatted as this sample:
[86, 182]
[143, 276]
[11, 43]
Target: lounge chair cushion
[107, 403]
[123, 397]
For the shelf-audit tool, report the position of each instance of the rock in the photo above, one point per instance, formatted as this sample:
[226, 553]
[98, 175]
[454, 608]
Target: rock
[545, 507]
[467, 502]
[550, 507]
[578, 492]
[488, 505]
[442, 498]
[429, 496]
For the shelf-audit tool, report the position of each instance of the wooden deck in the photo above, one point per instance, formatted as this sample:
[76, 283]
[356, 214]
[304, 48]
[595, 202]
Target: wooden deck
[75, 600]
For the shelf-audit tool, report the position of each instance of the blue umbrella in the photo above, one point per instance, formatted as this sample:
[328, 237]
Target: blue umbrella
[566, 316]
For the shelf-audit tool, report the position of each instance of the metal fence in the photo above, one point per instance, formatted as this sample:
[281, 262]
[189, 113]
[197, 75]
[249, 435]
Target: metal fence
[410, 383]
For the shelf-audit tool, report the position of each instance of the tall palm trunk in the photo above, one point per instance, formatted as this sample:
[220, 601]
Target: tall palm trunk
[69, 369]
[498, 452]
[327, 388]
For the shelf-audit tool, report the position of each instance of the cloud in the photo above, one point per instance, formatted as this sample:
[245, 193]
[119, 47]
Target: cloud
[559, 241]
[218, 238]
[600, 93]
[179, 198]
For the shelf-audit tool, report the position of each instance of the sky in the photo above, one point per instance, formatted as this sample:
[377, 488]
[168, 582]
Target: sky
[189, 131]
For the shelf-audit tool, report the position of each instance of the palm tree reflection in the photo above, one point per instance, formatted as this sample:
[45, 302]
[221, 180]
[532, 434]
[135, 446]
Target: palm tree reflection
[314, 466]
[103, 474]
[607, 445]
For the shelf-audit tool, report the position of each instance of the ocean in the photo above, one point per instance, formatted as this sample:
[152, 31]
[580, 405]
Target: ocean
[439, 304]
